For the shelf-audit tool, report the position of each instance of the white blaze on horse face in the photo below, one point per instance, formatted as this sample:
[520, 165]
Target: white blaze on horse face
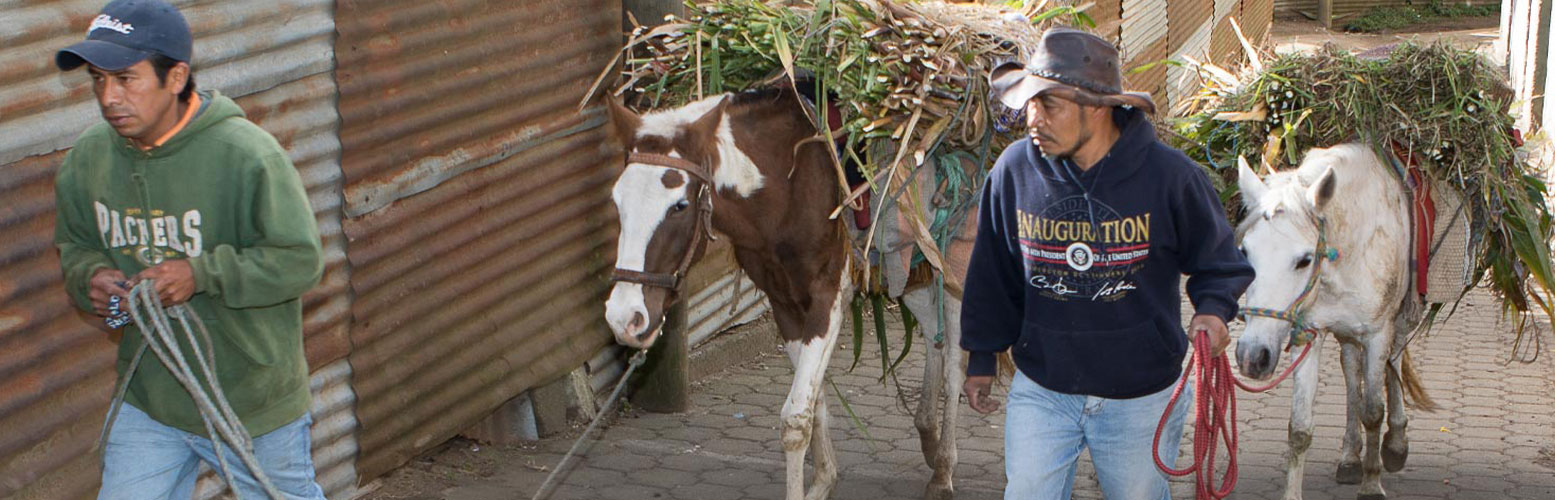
[1275, 245]
[641, 202]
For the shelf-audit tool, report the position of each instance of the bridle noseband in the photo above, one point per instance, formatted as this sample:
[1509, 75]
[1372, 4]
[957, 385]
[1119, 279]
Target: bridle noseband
[1301, 332]
[703, 229]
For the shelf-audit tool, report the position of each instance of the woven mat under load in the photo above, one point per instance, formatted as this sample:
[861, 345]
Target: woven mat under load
[1451, 269]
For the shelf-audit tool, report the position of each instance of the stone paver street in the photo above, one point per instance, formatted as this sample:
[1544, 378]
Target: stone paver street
[1492, 438]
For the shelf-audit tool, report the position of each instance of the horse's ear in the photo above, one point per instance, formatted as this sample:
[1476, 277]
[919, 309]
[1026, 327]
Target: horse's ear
[702, 134]
[708, 123]
[1252, 187]
[1323, 190]
[625, 121]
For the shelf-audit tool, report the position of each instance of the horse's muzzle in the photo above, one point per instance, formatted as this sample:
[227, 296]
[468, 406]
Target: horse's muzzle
[1257, 361]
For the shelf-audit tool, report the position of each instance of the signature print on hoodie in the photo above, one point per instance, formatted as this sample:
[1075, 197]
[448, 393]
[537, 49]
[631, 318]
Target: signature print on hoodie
[1070, 254]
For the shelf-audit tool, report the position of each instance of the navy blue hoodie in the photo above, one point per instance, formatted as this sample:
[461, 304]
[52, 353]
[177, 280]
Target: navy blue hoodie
[1079, 270]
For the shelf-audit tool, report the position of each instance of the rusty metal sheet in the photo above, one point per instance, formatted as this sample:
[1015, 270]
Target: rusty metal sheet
[729, 302]
[1257, 18]
[1185, 18]
[1108, 15]
[1152, 80]
[55, 367]
[719, 296]
[1224, 48]
[1144, 23]
[477, 197]
[1182, 82]
[1288, 6]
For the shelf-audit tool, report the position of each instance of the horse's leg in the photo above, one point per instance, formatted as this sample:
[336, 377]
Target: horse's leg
[800, 411]
[928, 418]
[1349, 471]
[1395, 443]
[1376, 365]
[1301, 423]
[821, 453]
[950, 350]
[921, 302]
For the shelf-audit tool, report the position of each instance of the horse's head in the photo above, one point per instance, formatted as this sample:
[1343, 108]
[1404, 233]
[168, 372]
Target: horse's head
[1282, 237]
[664, 200]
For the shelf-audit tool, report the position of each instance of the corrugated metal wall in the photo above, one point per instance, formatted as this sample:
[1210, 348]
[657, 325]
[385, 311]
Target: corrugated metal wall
[55, 368]
[1151, 31]
[712, 286]
[479, 203]
[1223, 44]
[1257, 20]
[1307, 6]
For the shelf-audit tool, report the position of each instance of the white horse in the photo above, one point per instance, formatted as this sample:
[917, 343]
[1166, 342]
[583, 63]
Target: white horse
[1347, 199]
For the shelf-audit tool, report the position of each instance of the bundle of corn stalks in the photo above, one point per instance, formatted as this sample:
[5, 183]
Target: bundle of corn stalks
[913, 74]
[910, 77]
[1448, 107]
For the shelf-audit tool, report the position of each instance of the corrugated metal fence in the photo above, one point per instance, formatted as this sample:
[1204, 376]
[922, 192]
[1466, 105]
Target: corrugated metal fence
[56, 369]
[478, 199]
[1152, 32]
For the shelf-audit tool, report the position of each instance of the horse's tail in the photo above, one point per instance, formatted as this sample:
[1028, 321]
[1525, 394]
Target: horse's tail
[1006, 370]
[1414, 389]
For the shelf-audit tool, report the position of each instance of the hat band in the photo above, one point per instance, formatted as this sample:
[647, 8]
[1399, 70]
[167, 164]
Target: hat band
[1091, 86]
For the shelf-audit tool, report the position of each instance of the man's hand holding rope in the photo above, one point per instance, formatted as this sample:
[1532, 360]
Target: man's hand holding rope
[174, 280]
[1219, 335]
[106, 283]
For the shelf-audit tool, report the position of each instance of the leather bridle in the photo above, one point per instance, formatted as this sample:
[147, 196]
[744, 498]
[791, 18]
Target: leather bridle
[703, 228]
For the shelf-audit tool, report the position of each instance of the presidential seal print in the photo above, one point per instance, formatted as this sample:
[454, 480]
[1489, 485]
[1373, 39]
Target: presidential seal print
[1083, 249]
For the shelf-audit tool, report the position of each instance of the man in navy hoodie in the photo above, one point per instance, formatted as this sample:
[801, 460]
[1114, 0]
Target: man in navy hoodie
[1084, 234]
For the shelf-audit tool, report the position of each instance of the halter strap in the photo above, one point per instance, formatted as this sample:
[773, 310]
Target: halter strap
[703, 228]
[1301, 332]
[682, 164]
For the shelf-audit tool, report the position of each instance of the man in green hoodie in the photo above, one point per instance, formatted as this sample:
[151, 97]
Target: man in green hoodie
[178, 187]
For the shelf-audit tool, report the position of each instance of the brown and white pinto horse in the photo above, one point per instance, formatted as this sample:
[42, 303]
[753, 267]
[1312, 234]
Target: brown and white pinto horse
[740, 165]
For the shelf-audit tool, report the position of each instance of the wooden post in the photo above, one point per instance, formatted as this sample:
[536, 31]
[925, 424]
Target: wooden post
[1325, 13]
[665, 386]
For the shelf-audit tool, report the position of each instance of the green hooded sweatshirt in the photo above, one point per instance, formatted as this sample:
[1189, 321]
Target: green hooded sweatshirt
[224, 195]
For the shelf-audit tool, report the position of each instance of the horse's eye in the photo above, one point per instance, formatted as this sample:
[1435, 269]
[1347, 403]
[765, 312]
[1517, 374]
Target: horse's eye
[682, 205]
[1306, 260]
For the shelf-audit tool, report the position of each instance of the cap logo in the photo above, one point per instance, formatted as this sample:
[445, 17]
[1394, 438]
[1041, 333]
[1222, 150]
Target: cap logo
[104, 22]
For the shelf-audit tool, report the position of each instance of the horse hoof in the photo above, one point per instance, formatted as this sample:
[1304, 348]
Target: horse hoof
[1372, 496]
[1348, 474]
[939, 492]
[1394, 454]
[1393, 461]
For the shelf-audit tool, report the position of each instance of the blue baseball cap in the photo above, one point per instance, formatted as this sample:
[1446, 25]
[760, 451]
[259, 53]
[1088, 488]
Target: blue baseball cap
[127, 32]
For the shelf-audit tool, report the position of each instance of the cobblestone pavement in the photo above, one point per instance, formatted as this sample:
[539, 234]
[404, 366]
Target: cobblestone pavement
[1492, 438]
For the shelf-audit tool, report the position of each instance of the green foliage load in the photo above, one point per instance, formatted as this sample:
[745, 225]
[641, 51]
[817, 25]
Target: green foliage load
[1449, 107]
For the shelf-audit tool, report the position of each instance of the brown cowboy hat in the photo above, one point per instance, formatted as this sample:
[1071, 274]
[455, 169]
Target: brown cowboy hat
[1070, 64]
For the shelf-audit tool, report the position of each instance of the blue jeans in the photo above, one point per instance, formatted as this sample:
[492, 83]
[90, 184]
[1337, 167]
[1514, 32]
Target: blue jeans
[1045, 431]
[145, 459]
